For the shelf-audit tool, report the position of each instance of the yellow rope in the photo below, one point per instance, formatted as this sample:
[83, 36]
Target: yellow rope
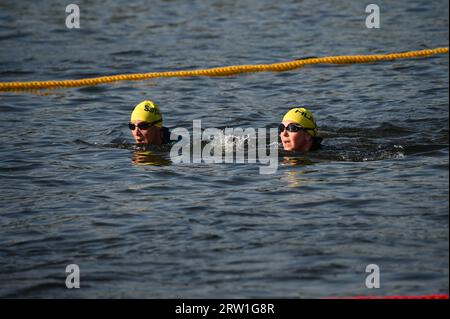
[221, 71]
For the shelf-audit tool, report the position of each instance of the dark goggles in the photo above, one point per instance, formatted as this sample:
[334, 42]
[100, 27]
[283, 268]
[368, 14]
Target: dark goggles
[143, 125]
[290, 128]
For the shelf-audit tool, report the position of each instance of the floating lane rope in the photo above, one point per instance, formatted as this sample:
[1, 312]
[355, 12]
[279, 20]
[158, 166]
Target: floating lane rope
[221, 71]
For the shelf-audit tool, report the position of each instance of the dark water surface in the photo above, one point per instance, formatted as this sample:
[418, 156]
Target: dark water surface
[74, 191]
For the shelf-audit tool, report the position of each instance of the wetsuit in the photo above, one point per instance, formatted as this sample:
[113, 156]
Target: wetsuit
[165, 135]
[317, 140]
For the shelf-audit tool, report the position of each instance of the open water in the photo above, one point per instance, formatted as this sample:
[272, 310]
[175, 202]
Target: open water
[74, 190]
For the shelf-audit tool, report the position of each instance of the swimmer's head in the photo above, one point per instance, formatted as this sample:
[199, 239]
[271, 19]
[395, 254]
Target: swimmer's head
[304, 118]
[146, 123]
[298, 130]
[147, 111]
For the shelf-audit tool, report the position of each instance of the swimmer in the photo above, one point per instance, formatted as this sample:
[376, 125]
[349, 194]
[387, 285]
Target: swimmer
[146, 124]
[298, 131]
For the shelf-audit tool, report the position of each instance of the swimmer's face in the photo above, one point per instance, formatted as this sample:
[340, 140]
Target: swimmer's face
[146, 135]
[295, 141]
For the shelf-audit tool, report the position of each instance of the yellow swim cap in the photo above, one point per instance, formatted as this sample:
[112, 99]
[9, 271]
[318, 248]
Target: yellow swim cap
[147, 111]
[303, 117]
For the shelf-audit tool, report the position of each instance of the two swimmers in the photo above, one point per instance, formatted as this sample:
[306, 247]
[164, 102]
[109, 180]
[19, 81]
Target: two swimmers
[297, 131]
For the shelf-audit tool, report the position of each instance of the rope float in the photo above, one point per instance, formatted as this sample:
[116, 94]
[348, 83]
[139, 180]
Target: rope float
[221, 71]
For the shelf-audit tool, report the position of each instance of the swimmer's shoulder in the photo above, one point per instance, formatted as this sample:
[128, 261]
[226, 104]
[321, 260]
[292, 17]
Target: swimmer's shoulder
[317, 143]
[165, 136]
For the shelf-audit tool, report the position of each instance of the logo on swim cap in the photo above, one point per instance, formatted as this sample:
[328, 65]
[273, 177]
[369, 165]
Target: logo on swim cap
[152, 108]
[304, 117]
[147, 111]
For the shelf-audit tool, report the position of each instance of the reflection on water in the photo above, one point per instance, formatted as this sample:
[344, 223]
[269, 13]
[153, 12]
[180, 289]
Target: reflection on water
[296, 161]
[147, 158]
[295, 178]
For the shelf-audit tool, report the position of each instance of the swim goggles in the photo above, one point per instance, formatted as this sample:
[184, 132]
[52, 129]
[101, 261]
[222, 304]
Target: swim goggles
[291, 128]
[143, 125]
